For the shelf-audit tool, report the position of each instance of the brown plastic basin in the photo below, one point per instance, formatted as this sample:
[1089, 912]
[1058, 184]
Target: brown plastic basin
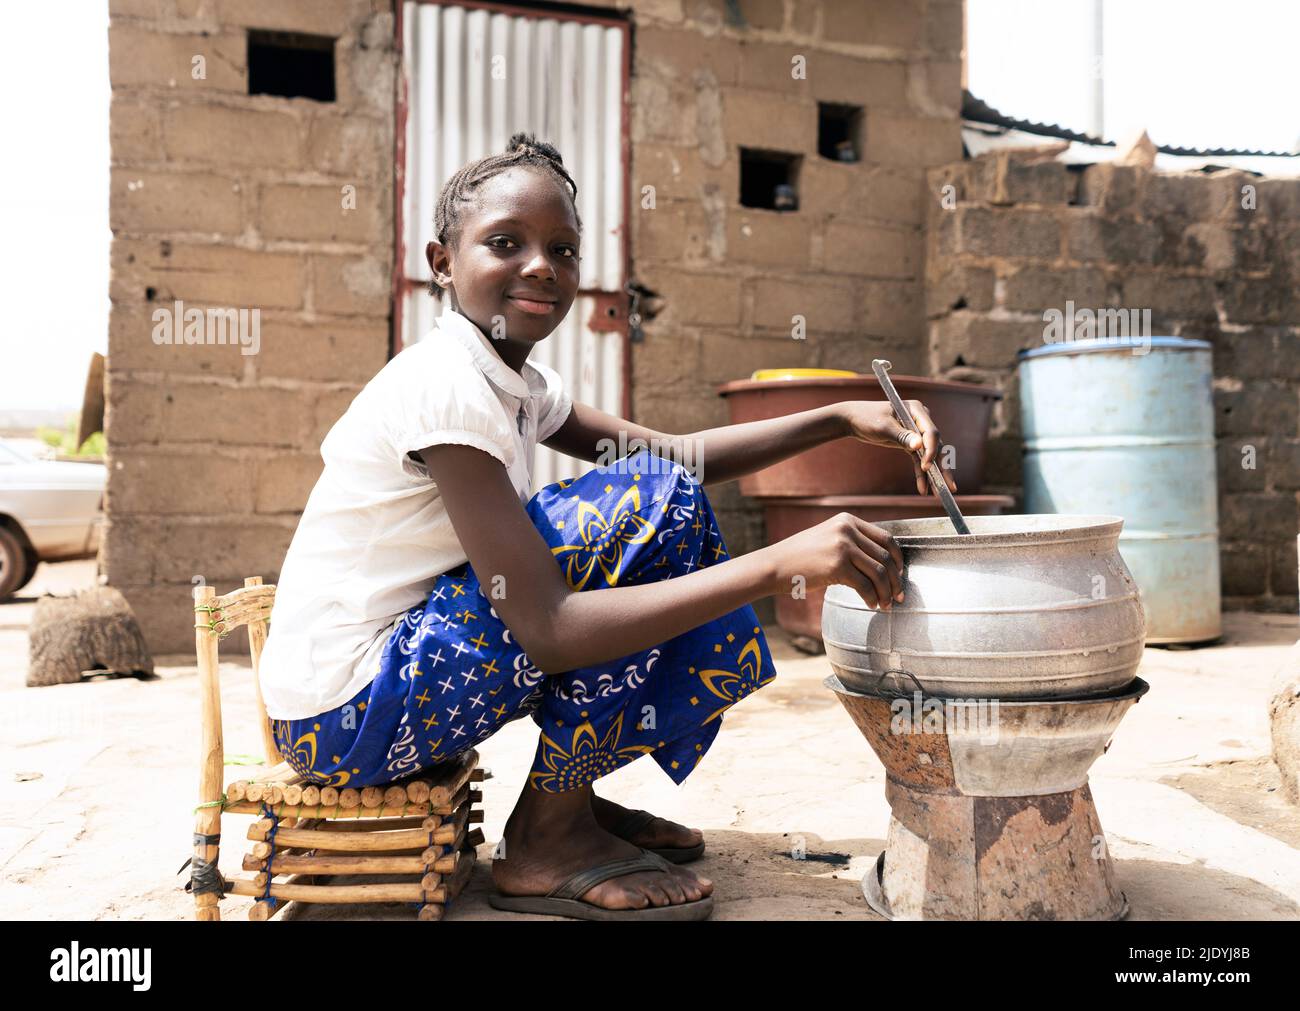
[961, 411]
[787, 517]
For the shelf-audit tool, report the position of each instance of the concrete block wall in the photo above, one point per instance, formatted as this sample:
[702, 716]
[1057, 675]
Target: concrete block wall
[849, 260]
[230, 201]
[1214, 257]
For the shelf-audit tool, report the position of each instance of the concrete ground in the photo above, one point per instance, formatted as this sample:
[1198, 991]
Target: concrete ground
[98, 781]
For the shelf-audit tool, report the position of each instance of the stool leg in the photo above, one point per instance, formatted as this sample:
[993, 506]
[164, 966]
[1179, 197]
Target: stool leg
[207, 827]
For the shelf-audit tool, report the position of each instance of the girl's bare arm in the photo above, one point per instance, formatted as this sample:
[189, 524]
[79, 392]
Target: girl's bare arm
[726, 453]
[561, 629]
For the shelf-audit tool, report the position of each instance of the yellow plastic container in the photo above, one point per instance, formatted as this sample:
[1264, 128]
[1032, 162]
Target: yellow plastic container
[763, 375]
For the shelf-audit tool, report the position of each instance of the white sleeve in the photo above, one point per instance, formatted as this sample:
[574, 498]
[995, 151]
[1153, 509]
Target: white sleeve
[458, 407]
[555, 406]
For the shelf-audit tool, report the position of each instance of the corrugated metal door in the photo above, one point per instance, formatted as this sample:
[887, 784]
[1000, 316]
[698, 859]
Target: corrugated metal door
[564, 78]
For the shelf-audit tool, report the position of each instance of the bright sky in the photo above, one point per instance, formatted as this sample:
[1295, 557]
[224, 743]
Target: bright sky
[1196, 73]
[1193, 73]
[53, 201]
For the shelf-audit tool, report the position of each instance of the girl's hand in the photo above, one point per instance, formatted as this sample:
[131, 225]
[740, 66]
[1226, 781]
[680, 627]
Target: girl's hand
[873, 421]
[843, 549]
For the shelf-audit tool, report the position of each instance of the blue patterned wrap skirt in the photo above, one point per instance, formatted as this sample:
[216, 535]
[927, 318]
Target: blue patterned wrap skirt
[451, 674]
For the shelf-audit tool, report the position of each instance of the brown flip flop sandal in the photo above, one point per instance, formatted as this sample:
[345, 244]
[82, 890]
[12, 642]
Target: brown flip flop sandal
[562, 900]
[632, 822]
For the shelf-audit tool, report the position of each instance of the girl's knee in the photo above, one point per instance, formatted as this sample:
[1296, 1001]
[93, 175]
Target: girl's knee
[672, 472]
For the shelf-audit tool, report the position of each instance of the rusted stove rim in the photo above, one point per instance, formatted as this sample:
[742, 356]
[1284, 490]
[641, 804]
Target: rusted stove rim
[1135, 689]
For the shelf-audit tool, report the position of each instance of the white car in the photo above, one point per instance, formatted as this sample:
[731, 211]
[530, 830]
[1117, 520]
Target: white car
[50, 511]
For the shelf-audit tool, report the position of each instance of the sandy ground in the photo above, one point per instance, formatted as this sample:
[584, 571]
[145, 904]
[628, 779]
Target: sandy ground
[98, 782]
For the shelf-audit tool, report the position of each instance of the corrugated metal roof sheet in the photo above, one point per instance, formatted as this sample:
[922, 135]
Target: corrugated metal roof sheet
[976, 110]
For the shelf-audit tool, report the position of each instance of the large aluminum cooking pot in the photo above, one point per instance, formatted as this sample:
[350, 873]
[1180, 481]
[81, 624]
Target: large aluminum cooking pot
[1024, 607]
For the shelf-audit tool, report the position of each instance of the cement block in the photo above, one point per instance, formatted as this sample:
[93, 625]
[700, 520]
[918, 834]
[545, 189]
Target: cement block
[863, 250]
[1091, 237]
[142, 200]
[186, 483]
[1034, 288]
[141, 57]
[851, 80]
[912, 141]
[768, 238]
[959, 287]
[675, 54]
[131, 345]
[211, 274]
[234, 415]
[226, 136]
[347, 213]
[970, 338]
[321, 17]
[349, 350]
[348, 146]
[351, 285]
[823, 306]
[283, 483]
[1007, 232]
[1112, 189]
[897, 24]
[757, 120]
[135, 131]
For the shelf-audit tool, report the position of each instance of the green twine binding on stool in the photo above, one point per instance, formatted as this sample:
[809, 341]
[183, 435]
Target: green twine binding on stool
[211, 625]
[213, 803]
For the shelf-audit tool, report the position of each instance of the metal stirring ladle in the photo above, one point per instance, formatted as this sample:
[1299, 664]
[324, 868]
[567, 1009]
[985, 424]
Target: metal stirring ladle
[881, 368]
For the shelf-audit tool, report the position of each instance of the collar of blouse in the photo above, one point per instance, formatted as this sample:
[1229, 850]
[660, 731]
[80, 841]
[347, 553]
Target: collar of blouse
[463, 329]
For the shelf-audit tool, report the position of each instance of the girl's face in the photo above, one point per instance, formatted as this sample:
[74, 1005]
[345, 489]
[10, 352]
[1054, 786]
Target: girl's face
[514, 269]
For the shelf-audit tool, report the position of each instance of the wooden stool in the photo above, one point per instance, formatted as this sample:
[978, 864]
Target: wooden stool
[415, 829]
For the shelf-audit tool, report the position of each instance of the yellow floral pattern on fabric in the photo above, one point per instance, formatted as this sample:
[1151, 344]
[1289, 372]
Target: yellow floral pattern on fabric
[601, 540]
[451, 674]
[733, 685]
[585, 760]
[300, 756]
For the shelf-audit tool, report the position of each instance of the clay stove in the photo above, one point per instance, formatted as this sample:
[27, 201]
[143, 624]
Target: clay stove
[988, 695]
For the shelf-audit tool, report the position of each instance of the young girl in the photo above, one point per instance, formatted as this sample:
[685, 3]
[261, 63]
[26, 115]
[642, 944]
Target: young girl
[428, 598]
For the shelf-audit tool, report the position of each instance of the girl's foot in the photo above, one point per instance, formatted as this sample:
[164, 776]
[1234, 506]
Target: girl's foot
[658, 834]
[551, 836]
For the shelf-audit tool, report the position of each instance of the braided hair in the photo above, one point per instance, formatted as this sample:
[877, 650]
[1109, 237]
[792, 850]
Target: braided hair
[523, 149]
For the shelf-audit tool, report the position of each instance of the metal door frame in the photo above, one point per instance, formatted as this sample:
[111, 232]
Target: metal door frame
[402, 284]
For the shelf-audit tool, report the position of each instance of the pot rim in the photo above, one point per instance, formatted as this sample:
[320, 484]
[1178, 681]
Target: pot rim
[936, 385]
[871, 501]
[1006, 531]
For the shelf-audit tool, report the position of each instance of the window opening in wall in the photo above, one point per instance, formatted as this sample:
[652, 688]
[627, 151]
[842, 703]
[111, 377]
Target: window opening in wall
[1075, 177]
[769, 179]
[839, 131]
[291, 65]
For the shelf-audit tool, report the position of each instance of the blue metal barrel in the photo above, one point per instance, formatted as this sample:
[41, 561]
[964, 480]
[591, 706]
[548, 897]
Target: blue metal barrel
[1127, 428]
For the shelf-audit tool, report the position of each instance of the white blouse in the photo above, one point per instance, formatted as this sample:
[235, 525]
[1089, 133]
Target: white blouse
[375, 533]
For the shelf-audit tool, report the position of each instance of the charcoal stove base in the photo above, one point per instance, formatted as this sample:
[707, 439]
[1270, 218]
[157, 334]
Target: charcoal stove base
[994, 858]
[992, 820]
